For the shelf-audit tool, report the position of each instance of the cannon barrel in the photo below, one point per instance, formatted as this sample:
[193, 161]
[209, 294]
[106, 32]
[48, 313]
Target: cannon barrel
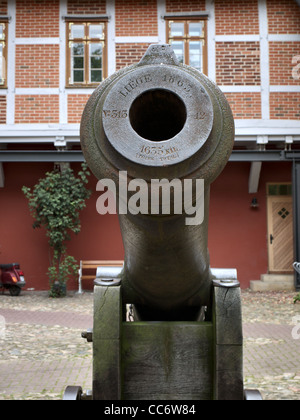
[160, 120]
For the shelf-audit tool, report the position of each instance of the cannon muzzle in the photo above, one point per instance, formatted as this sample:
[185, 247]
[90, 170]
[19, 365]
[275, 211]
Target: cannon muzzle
[160, 120]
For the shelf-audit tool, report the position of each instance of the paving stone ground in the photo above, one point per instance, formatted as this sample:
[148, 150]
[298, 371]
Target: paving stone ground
[42, 352]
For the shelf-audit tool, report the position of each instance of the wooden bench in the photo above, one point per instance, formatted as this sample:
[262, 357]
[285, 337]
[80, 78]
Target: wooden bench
[87, 270]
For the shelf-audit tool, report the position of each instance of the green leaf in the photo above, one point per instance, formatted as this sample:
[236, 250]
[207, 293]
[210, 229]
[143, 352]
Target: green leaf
[55, 203]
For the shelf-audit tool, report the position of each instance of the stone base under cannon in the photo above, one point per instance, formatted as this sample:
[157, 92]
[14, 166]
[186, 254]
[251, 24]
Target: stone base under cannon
[198, 360]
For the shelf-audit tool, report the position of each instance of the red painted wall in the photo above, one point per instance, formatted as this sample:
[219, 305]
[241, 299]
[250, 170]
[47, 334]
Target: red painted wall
[18, 241]
[237, 233]
[100, 237]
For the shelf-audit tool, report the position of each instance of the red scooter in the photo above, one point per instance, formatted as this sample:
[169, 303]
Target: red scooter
[12, 278]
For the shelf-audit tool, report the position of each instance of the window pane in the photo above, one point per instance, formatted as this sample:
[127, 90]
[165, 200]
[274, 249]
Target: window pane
[96, 49]
[78, 62]
[176, 29]
[178, 47]
[196, 29]
[273, 190]
[78, 76]
[77, 31]
[280, 189]
[96, 76]
[78, 49]
[196, 54]
[96, 31]
[2, 34]
[285, 189]
[95, 63]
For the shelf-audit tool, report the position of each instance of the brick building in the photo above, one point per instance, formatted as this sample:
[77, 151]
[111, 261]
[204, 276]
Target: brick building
[53, 53]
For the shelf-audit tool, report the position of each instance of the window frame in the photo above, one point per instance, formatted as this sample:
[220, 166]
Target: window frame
[87, 42]
[4, 41]
[186, 20]
[279, 186]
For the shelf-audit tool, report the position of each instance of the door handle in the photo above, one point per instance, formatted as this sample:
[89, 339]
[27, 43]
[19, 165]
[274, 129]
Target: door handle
[271, 239]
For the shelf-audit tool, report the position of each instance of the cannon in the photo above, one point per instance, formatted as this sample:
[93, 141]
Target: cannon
[161, 132]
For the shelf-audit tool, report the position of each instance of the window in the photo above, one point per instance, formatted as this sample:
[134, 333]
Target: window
[279, 189]
[86, 53]
[188, 39]
[3, 55]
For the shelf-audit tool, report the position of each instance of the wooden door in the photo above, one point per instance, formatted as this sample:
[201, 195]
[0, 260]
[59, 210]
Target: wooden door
[280, 234]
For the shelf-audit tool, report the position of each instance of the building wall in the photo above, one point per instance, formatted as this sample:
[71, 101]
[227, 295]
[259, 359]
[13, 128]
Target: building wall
[100, 237]
[40, 109]
[237, 233]
[244, 14]
[136, 18]
[252, 46]
[37, 66]
[177, 6]
[129, 53]
[89, 7]
[41, 18]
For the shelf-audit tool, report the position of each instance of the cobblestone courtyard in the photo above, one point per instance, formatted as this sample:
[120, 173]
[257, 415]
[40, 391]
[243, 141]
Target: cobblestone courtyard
[41, 349]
